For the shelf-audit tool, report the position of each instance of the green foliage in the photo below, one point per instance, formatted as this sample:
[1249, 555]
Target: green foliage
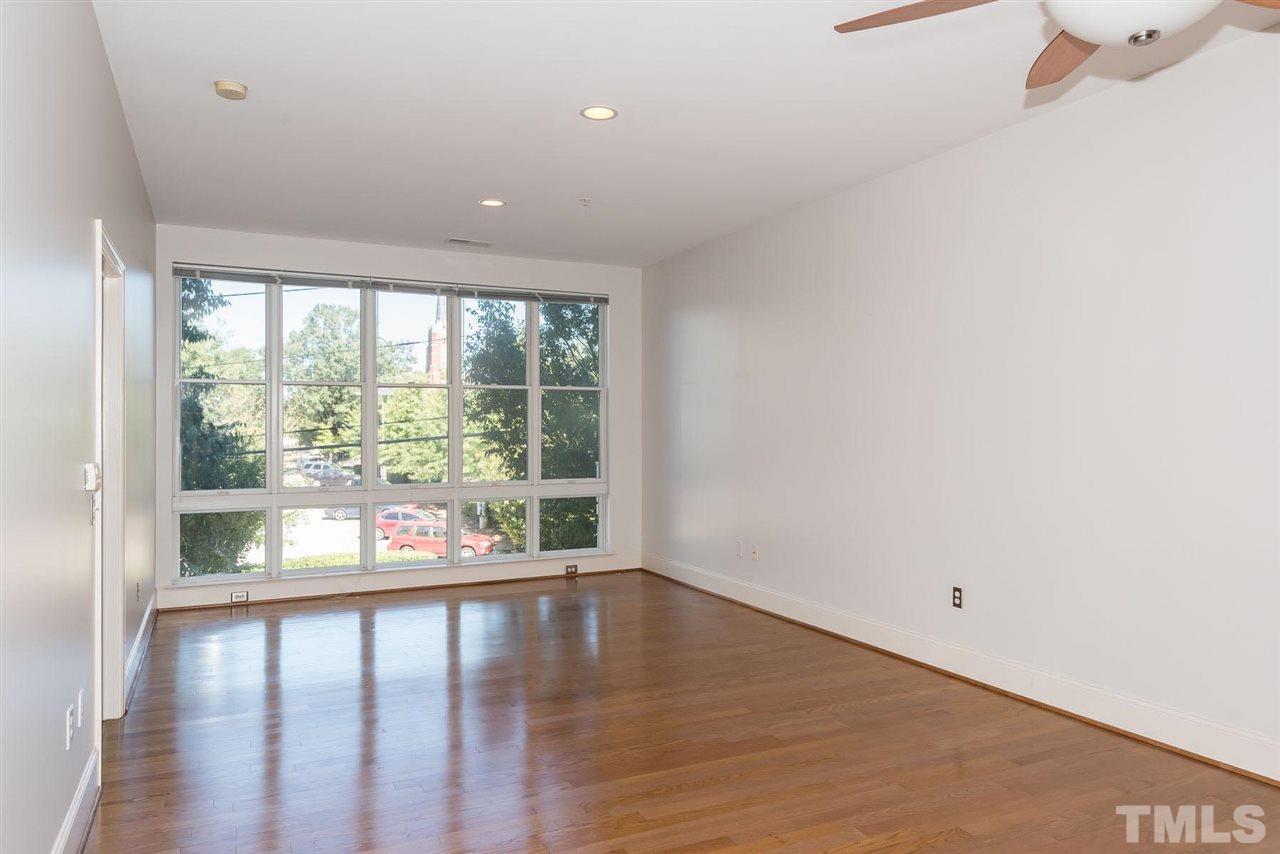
[323, 418]
[413, 434]
[507, 515]
[323, 561]
[204, 354]
[569, 344]
[213, 543]
[510, 517]
[568, 523]
[407, 557]
[493, 342]
[222, 426]
[569, 355]
[495, 434]
[326, 347]
[570, 434]
[197, 302]
[223, 430]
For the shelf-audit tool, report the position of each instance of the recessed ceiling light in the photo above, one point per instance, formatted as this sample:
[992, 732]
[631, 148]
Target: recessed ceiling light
[598, 113]
[493, 203]
[230, 89]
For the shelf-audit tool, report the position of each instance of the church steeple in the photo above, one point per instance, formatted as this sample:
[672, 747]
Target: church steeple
[438, 345]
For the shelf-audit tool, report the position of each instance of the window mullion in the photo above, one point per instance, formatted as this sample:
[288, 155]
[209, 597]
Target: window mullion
[602, 353]
[174, 556]
[531, 511]
[370, 467]
[533, 363]
[454, 333]
[602, 521]
[275, 436]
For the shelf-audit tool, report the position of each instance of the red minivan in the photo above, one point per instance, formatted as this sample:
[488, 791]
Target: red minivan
[431, 537]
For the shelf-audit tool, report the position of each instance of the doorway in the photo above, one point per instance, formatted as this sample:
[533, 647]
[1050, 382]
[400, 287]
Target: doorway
[106, 496]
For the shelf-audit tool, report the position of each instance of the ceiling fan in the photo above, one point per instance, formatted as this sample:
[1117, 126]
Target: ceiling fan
[1086, 25]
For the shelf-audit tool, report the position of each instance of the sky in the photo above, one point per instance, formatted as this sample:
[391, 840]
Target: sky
[242, 323]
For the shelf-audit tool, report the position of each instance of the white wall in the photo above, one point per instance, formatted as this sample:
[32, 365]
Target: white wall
[622, 284]
[139, 456]
[67, 159]
[1042, 367]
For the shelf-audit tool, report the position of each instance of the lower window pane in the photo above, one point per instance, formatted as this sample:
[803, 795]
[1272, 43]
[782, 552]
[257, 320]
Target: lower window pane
[413, 435]
[224, 436]
[568, 523]
[316, 538]
[218, 543]
[570, 434]
[495, 430]
[321, 435]
[413, 532]
[492, 528]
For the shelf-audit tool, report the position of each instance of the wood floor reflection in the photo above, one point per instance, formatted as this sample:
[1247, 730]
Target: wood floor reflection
[611, 713]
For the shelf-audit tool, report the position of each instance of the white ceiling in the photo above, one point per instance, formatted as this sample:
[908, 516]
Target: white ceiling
[385, 122]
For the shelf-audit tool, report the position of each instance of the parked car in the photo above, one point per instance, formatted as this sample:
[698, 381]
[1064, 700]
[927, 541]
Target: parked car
[324, 473]
[310, 465]
[390, 518]
[431, 537]
[341, 513]
[387, 520]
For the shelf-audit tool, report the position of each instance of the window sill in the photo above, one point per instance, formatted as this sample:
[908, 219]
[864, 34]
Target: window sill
[258, 578]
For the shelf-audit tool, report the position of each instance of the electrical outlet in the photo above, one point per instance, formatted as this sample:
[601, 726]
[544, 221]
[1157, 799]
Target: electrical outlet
[956, 600]
[239, 596]
[570, 569]
[137, 590]
[738, 544]
[755, 552]
[70, 726]
[80, 708]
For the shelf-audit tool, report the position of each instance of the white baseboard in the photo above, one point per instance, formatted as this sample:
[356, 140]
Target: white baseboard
[1249, 751]
[138, 650]
[198, 595]
[80, 812]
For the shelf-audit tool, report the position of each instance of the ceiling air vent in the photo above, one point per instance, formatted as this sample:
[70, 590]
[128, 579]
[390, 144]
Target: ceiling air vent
[464, 241]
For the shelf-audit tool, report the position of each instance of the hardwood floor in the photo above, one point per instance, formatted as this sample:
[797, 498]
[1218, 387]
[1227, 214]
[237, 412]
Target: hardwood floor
[611, 713]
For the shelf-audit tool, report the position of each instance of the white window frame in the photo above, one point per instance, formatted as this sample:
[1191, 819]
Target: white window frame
[601, 526]
[370, 494]
[602, 423]
[529, 537]
[530, 350]
[413, 564]
[371, 398]
[278, 383]
[176, 400]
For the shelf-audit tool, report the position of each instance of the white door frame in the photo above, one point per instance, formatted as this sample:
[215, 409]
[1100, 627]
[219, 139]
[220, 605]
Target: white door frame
[109, 695]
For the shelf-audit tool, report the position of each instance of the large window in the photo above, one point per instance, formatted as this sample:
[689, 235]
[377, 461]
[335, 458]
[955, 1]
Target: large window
[326, 425]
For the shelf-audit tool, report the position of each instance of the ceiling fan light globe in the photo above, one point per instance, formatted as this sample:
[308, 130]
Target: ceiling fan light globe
[1112, 22]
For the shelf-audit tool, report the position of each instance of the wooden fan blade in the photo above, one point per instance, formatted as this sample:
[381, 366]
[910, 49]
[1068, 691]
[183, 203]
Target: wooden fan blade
[1265, 4]
[911, 12]
[1063, 56]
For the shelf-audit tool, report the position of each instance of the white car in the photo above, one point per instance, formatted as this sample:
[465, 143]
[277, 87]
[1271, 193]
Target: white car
[324, 473]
